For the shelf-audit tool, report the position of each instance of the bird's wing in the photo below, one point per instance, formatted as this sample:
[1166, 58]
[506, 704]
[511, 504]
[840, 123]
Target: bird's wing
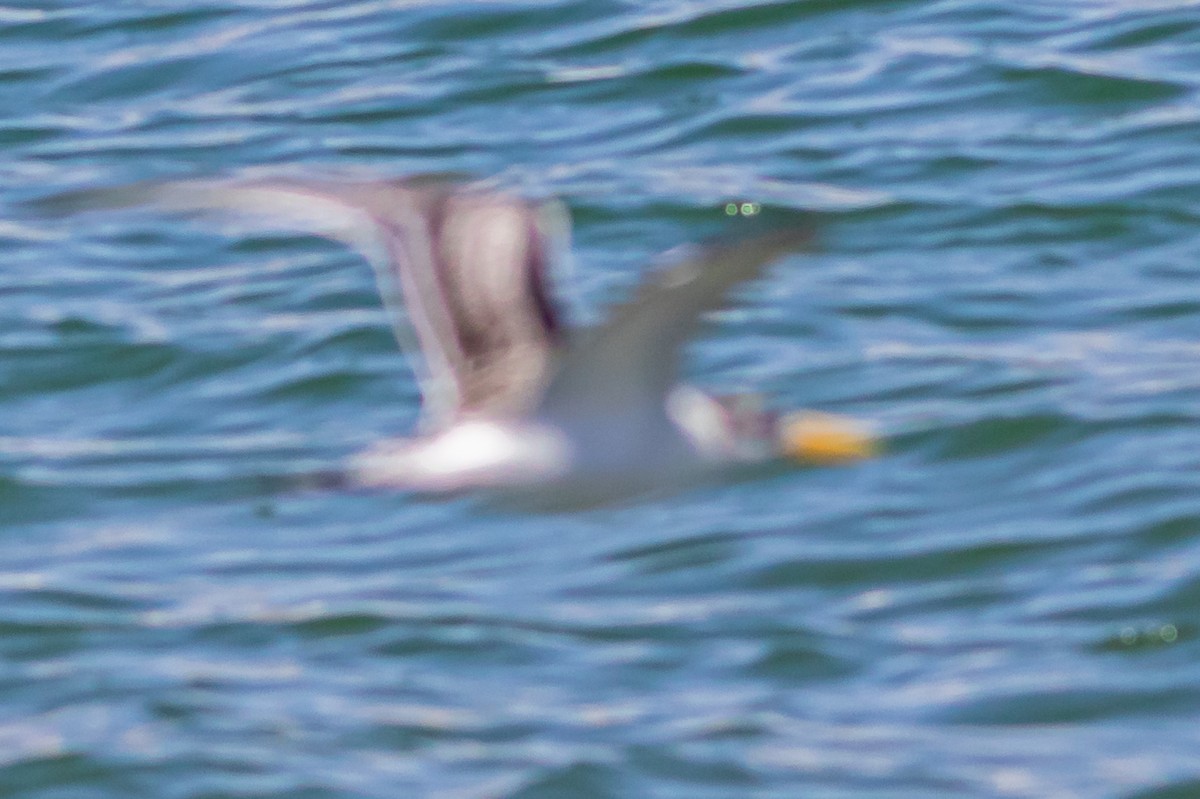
[627, 366]
[466, 271]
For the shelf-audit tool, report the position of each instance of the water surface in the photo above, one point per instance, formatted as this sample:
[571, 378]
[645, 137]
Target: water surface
[1005, 605]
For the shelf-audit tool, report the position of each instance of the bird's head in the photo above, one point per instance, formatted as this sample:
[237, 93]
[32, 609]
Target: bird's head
[740, 427]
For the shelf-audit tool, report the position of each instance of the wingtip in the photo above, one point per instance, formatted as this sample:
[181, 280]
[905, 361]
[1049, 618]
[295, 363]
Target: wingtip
[78, 201]
[782, 230]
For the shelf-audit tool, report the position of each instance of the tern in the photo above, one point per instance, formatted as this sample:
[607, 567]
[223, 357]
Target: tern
[511, 398]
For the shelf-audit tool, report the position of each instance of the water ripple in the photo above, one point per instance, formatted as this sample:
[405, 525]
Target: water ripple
[1003, 605]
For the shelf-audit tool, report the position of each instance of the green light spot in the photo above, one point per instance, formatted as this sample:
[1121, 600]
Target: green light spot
[749, 209]
[1168, 633]
[731, 209]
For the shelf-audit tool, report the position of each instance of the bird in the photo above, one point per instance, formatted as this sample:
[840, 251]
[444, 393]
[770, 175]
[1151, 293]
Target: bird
[513, 398]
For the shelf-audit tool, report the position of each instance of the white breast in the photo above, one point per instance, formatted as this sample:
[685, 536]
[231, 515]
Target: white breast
[472, 454]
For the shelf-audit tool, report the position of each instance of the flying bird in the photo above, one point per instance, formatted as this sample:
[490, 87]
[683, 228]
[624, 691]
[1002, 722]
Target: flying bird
[512, 399]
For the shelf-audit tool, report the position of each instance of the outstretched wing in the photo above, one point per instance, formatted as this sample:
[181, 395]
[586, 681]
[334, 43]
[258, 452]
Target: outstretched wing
[466, 271]
[627, 366]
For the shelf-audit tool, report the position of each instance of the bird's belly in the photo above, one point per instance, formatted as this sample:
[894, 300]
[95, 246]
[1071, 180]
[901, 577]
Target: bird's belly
[474, 454]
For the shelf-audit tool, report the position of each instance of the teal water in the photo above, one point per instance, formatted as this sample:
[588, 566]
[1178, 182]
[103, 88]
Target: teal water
[1007, 604]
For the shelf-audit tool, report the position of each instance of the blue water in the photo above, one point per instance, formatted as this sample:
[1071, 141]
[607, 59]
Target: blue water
[1006, 604]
